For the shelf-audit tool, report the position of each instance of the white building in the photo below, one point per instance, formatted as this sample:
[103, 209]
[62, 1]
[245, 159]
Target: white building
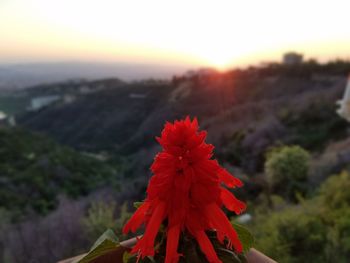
[344, 104]
[2, 115]
[245, 218]
[68, 98]
[39, 102]
[292, 58]
[11, 120]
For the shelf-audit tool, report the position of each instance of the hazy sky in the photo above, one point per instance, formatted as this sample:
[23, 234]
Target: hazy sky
[217, 33]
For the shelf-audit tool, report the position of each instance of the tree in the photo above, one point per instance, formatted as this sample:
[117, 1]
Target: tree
[287, 170]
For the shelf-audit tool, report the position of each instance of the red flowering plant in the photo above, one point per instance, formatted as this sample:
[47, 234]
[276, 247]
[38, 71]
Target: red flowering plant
[182, 213]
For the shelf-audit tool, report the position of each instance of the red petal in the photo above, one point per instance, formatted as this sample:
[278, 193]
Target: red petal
[187, 120]
[221, 223]
[231, 202]
[228, 179]
[195, 123]
[196, 140]
[207, 247]
[145, 246]
[172, 243]
[137, 219]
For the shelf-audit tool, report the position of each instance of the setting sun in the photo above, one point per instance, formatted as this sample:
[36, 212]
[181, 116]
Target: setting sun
[215, 33]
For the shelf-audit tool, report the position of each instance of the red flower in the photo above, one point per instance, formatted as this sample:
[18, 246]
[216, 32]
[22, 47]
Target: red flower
[186, 189]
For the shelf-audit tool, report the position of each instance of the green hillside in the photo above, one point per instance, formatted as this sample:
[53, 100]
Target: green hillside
[35, 170]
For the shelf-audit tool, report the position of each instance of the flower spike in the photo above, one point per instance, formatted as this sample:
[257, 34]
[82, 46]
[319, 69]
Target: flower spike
[186, 190]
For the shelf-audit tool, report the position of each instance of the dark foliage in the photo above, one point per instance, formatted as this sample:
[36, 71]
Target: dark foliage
[35, 170]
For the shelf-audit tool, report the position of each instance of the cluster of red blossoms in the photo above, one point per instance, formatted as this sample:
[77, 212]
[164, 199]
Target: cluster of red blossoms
[187, 190]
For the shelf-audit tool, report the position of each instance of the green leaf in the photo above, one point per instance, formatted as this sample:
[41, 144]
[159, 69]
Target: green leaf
[107, 235]
[137, 204]
[126, 257]
[106, 243]
[244, 236]
[228, 256]
[133, 259]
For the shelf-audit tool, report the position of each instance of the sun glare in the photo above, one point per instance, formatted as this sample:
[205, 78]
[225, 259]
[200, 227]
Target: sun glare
[218, 60]
[218, 33]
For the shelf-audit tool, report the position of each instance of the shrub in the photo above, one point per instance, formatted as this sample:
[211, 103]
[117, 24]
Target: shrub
[287, 170]
[317, 230]
[334, 192]
[291, 235]
[102, 216]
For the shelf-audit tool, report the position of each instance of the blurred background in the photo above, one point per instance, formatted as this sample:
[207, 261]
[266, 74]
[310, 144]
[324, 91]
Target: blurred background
[85, 86]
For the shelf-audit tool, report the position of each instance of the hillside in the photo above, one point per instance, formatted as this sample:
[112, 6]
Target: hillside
[35, 171]
[93, 124]
[249, 110]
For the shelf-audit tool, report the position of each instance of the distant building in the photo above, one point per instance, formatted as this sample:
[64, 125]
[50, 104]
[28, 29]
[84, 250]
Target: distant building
[39, 102]
[292, 58]
[202, 72]
[69, 98]
[6, 120]
[344, 104]
[11, 120]
[2, 115]
[244, 219]
[85, 89]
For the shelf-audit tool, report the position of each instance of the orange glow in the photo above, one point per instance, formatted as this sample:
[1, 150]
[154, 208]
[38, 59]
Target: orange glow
[217, 33]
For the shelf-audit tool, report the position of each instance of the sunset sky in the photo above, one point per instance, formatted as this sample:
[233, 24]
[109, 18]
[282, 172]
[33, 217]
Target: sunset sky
[209, 33]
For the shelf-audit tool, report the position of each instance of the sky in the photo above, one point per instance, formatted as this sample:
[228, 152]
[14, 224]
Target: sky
[215, 33]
